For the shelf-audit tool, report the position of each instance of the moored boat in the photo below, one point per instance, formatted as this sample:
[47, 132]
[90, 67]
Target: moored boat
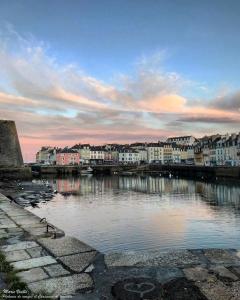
[84, 171]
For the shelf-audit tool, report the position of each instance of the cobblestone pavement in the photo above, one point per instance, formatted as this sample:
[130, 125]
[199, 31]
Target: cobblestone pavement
[66, 266]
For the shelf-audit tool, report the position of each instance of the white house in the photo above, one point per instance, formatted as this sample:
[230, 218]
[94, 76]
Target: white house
[97, 153]
[176, 154]
[155, 152]
[143, 157]
[220, 152]
[127, 156]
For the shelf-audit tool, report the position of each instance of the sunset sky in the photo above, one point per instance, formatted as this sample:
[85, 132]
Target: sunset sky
[118, 71]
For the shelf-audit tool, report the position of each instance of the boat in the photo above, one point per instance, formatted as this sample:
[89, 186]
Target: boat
[85, 171]
[127, 173]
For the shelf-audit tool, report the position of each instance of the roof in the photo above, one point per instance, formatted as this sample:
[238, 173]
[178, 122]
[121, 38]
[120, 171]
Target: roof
[181, 137]
[67, 150]
[97, 148]
[127, 150]
[80, 146]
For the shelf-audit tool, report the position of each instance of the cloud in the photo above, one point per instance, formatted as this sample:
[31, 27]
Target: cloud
[206, 119]
[229, 102]
[55, 103]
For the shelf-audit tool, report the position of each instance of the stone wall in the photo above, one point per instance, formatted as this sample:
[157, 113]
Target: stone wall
[10, 151]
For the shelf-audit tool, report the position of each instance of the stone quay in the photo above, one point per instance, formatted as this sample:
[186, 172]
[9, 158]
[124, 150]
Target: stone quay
[63, 266]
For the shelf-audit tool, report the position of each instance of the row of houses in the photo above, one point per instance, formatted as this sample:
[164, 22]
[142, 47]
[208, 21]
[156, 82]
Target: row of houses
[124, 154]
[218, 150]
[208, 151]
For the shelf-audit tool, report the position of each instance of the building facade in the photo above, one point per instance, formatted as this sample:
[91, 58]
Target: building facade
[67, 157]
[128, 156]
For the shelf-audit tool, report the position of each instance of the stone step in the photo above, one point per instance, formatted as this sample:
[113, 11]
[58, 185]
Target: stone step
[64, 246]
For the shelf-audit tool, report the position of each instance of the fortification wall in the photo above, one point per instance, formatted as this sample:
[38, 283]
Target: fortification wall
[10, 151]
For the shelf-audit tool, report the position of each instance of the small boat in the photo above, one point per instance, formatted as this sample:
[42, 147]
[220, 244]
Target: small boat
[85, 171]
[127, 173]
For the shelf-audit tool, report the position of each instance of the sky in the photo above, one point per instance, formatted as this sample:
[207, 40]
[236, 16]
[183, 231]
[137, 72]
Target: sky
[107, 71]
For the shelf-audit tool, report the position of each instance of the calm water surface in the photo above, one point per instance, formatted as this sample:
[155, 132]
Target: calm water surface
[145, 213]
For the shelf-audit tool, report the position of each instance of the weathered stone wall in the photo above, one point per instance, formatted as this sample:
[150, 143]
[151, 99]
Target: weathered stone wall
[10, 151]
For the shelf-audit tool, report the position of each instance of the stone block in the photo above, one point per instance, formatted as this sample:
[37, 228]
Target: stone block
[67, 285]
[34, 263]
[36, 231]
[220, 256]
[19, 246]
[217, 290]
[56, 270]
[8, 207]
[89, 269]
[15, 230]
[224, 273]
[19, 212]
[34, 225]
[32, 275]
[26, 220]
[7, 223]
[3, 234]
[64, 246]
[37, 252]
[152, 258]
[3, 231]
[199, 274]
[12, 256]
[236, 270]
[78, 262]
[165, 274]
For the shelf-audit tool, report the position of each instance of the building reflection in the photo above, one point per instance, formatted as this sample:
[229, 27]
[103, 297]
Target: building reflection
[217, 194]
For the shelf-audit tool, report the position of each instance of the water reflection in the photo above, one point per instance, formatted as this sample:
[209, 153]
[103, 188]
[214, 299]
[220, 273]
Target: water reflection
[214, 193]
[144, 212]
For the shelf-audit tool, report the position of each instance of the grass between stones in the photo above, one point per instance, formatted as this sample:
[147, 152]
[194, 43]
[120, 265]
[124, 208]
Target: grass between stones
[15, 288]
